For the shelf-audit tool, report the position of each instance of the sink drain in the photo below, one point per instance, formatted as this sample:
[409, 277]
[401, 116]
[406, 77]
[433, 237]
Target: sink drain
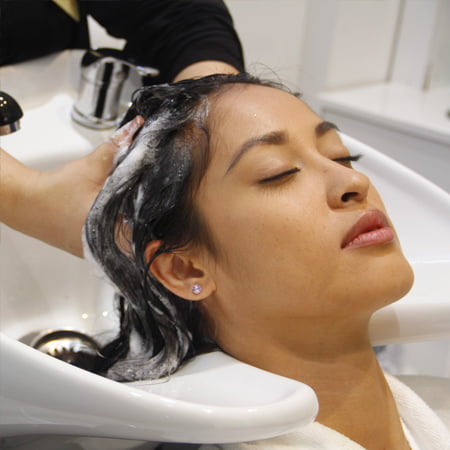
[69, 346]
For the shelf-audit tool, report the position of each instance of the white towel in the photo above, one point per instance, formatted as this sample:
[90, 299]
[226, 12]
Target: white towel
[426, 430]
[314, 436]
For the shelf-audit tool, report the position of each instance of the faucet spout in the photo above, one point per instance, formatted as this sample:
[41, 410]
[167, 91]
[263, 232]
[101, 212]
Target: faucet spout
[103, 73]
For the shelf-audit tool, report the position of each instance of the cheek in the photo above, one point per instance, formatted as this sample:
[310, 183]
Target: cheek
[374, 198]
[256, 230]
[268, 250]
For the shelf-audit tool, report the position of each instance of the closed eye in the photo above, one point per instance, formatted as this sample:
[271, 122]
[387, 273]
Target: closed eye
[347, 160]
[279, 176]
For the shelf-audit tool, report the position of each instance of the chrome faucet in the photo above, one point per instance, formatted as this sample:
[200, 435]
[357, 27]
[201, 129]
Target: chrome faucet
[103, 73]
[10, 114]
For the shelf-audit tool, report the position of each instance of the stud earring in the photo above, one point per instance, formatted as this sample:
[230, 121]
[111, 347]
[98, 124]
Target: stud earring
[196, 289]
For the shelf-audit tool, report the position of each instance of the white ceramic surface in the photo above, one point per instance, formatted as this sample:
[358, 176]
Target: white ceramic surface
[214, 398]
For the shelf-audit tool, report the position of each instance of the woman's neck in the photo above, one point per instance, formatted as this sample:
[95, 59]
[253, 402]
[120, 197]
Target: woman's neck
[356, 401]
[341, 367]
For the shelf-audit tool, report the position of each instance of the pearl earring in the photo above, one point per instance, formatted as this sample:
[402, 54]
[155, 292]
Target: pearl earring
[196, 289]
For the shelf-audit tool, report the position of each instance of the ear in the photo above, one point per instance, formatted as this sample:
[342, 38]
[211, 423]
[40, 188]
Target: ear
[179, 273]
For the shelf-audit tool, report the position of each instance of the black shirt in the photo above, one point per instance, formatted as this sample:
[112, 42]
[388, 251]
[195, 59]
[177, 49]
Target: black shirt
[166, 34]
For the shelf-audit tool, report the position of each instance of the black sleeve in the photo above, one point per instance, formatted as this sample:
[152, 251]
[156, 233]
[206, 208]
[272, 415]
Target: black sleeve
[32, 29]
[171, 34]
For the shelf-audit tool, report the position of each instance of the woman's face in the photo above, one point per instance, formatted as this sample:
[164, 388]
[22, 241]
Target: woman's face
[281, 201]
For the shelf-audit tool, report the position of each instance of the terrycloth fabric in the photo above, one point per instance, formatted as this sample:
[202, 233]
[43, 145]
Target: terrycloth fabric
[312, 437]
[428, 431]
[434, 391]
[413, 445]
[424, 429]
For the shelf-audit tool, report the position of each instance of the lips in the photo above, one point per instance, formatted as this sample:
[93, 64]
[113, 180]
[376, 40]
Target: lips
[371, 228]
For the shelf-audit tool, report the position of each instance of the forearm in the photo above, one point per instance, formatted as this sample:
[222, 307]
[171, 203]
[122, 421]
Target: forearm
[16, 191]
[28, 203]
[52, 206]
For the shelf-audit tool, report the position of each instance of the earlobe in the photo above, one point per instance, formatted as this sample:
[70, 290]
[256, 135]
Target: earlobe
[180, 274]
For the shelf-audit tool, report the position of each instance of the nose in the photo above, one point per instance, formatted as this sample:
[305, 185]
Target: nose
[346, 186]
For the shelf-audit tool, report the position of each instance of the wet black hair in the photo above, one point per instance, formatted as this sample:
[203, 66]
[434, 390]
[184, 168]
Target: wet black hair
[149, 196]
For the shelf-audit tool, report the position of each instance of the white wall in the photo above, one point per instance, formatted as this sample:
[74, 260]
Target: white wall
[439, 64]
[362, 43]
[315, 45]
[414, 44]
[271, 32]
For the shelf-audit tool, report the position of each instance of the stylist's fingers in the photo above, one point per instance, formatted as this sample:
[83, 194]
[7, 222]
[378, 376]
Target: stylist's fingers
[124, 135]
[96, 166]
[119, 141]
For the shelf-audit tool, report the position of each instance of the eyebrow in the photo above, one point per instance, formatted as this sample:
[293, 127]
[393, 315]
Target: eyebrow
[272, 138]
[324, 127]
[276, 138]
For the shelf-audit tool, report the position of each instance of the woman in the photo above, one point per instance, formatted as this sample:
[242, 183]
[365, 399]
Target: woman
[236, 219]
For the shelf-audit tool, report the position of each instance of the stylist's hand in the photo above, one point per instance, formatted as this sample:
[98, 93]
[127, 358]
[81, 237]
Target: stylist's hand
[52, 206]
[76, 185]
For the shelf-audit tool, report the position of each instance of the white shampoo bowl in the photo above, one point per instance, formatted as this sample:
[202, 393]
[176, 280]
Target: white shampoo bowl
[214, 398]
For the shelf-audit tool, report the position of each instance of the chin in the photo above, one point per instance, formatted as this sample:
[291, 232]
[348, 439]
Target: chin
[383, 278]
[398, 282]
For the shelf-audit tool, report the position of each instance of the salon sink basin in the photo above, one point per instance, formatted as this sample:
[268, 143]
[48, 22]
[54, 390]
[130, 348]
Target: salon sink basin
[43, 289]
[212, 399]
